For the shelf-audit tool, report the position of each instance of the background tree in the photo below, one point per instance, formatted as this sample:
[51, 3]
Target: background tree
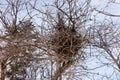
[58, 40]
[18, 39]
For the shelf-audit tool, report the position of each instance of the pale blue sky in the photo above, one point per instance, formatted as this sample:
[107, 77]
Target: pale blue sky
[101, 5]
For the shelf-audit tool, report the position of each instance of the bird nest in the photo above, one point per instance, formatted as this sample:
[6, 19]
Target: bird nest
[66, 43]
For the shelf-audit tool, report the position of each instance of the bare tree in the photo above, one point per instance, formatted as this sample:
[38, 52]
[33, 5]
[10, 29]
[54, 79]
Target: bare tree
[74, 16]
[68, 34]
[19, 38]
[60, 40]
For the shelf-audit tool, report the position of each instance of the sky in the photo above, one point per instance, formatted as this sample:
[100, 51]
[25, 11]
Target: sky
[100, 5]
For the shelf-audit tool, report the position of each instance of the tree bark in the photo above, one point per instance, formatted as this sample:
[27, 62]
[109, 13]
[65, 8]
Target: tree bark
[61, 70]
[3, 71]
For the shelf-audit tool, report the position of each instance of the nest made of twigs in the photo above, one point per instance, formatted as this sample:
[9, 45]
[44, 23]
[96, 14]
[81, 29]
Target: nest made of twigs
[66, 43]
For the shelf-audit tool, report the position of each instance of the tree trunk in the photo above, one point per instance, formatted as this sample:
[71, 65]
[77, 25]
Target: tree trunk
[62, 69]
[3, 71]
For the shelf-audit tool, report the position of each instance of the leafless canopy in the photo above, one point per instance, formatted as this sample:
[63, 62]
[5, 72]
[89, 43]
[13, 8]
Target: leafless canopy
[58, 40]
